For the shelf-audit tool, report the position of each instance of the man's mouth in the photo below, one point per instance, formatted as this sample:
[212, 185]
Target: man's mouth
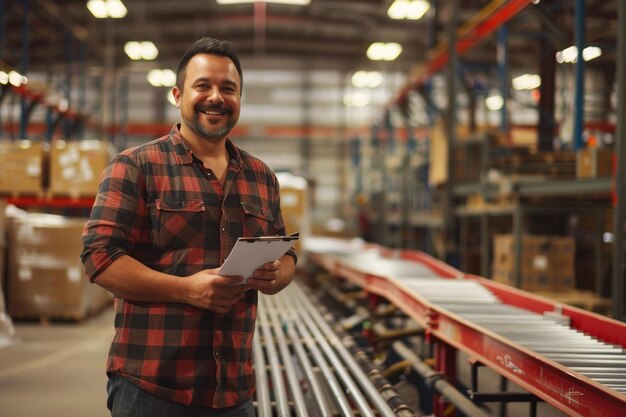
[213, 111]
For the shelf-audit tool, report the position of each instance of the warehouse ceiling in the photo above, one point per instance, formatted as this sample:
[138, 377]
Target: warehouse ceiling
[326, 34]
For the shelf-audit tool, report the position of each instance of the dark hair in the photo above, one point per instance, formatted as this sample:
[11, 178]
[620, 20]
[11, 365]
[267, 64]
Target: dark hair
[209, 46]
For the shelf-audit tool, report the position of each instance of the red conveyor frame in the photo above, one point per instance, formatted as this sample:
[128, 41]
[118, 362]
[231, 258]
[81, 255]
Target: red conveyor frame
[563, 388]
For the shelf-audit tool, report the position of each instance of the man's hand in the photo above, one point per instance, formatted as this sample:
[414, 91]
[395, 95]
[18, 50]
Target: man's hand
[214, 292]
[273, 276]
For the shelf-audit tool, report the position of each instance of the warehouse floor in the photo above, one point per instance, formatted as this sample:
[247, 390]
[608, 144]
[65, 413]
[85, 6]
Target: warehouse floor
[56, 369]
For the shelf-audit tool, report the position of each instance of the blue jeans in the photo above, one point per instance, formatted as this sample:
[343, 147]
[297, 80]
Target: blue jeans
[128, 400]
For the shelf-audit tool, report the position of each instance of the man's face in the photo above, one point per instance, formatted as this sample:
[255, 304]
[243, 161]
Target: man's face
[210, 101]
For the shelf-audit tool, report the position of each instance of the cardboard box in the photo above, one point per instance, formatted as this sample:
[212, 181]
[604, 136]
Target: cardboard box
[22, 167]
[547, 262]
[294, 205]
[45, 275]
[75, 167]
[591, 163]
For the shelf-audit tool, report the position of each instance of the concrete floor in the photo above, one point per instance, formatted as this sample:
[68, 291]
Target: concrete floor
[56, 369]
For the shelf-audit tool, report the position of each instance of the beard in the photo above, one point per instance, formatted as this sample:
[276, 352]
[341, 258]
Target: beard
[199, 129]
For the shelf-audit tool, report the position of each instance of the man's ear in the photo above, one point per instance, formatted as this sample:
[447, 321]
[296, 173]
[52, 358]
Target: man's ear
[176, 93]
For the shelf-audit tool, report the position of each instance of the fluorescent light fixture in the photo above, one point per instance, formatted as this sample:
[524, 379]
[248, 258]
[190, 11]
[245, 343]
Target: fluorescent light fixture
[141, 50]
[494, 102]
[4, 77]
[133, 50]
[356, 99]
[116, 9]
[15, 78]
[526, 82]
[149, 51]
[380, 51]
[570, 55]
[98, 8]
[102, 9]
[408, 9]
[367, 79]
[161, 78]
[294, 2]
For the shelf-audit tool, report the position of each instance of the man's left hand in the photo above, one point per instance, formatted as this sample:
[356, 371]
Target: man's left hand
[272, 277]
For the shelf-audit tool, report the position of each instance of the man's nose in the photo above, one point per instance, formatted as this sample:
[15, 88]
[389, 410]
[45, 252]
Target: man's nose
[214, 95]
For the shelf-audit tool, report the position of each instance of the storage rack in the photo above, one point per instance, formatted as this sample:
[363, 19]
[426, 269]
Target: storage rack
[444, 224]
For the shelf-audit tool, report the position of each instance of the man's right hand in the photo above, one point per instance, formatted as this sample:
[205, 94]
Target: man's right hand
[214, 292]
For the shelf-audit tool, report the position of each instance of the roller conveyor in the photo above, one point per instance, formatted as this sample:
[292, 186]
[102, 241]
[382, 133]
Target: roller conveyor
[578, 368]
[303, 369]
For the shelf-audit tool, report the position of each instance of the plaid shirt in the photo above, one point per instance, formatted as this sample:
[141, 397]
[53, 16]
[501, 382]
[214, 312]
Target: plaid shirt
[159, 205]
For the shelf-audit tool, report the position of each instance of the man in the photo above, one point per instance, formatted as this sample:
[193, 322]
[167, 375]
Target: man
[166, 216]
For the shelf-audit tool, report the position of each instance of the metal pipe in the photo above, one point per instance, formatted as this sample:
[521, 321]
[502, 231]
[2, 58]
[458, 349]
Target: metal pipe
[318, 356]
[264, 407]
[282, 407]
[579, 91]
[437, 382]
[290, 324]
[290, 372]
[322, 330]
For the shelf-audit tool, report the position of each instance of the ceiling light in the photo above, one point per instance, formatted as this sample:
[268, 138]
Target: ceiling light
[408, 9]
[116, 9]
[4, 77]
[141, 50]
[526, 82]
[161, 78]
[295, 2]
[494, 102]
[380, 51]
[102, 9]
[149, 51]
[367, 79]
[570, 55]
[15, 78]
[356, 99]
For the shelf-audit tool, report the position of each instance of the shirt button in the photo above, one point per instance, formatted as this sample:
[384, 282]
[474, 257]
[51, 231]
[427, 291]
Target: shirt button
[217, 355]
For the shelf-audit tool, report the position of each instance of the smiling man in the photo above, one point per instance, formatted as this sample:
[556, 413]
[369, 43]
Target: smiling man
[166, 216]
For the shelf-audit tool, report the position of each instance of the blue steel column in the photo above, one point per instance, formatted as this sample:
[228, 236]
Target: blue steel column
[24, 66]
[579, 93]
[503, 63]
[67, 124]
[82, 86]
[617, 286]
[2, 47]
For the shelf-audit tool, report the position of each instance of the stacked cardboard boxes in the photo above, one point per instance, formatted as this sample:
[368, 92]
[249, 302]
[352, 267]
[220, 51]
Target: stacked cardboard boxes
[547, 262]
[22, 167]
[594, 162]
[75, 167]
[45, 275]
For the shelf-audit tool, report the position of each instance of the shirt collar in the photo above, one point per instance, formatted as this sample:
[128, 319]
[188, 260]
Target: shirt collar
[185, 155]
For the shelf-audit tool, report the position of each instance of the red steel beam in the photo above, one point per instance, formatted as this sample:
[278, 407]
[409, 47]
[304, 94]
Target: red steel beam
[467, 39]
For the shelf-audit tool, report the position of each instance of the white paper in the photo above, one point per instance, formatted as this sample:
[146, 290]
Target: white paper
[247, 256]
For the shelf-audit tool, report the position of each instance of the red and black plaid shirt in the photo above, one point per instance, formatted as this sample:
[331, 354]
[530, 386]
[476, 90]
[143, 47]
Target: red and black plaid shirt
[159, 205]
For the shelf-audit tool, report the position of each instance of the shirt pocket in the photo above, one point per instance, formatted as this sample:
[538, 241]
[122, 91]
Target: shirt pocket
[179, 223]
[258, 218]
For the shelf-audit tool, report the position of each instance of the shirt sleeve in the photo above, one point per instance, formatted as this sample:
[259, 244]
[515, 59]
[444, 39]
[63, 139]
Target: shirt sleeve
[117, 217]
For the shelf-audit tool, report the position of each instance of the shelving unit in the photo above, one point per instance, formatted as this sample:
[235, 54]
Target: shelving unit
[464, 232]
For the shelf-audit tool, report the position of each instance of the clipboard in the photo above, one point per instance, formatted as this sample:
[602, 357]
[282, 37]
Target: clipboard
[250, 253]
